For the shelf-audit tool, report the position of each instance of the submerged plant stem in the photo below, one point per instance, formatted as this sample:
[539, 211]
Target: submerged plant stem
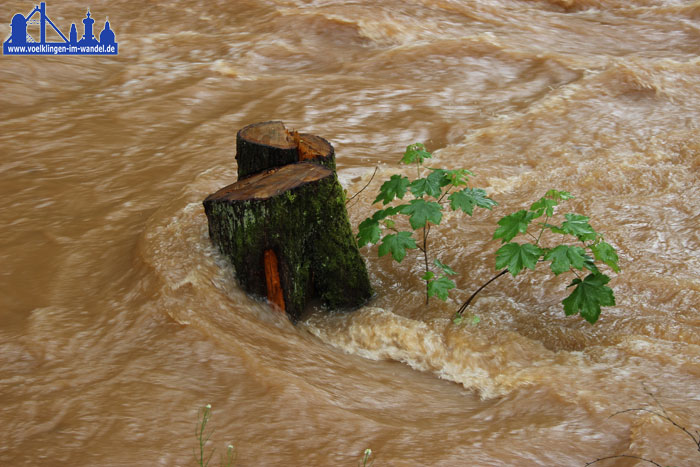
[426, 231]
[461, 309]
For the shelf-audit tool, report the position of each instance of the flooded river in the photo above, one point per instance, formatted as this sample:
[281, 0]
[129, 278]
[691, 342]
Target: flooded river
[119, 320]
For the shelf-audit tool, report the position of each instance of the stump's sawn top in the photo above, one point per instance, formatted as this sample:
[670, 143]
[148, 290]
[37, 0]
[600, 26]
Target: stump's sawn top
[272, 182]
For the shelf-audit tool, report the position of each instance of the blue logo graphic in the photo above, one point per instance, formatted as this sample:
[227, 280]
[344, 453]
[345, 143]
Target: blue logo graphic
[21, 42]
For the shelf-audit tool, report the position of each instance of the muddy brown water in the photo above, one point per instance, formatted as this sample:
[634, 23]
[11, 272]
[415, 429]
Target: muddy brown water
[119, 320]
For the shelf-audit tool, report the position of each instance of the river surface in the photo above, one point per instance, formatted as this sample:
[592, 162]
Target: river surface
[119, 321]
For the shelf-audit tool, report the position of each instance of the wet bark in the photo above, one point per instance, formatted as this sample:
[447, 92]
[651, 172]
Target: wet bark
[262, 146]
[287, 233]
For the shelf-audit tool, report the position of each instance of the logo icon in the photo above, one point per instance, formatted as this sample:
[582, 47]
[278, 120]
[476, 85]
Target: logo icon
[21, 42]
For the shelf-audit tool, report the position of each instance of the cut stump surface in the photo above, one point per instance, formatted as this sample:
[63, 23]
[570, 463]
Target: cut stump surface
[262, 146]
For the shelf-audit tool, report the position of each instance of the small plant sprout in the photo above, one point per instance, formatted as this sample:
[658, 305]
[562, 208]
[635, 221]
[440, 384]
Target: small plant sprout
[573, 240]
[230, 456]
[203, 438]
[365, 462]
[431, 195]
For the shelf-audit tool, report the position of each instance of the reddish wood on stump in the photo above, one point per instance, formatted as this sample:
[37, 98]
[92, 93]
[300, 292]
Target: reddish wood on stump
[272, 279]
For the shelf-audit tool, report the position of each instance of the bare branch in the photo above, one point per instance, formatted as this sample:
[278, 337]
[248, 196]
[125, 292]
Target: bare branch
[624, 455]
[363, 188]
[667, 418]
[651, 394]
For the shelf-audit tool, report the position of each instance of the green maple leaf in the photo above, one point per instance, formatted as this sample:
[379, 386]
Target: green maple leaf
[561, 195]
[513, 224]
[396, 245]
[431, 185]
[415, 153]
[440, 287]
[589, 263]
[440, 176]
[554, 228]
[606, 253]
[421, 212]
[369, 232]
[515, 257]
[588, 296]
[544, 206]
[395, 187]
[467, 198]
[458, 177]
[445, 268]
[577, 225]
[428, 275]
[565, 257]
[423, 185]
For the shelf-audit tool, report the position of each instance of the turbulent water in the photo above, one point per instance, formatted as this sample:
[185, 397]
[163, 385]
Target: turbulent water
[119, 320]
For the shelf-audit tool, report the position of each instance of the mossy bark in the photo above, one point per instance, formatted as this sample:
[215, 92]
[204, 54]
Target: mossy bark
[297, 211]
[263, 146]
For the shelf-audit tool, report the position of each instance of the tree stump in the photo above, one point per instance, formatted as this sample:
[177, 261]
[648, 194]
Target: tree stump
[285, 229]
[261, 146]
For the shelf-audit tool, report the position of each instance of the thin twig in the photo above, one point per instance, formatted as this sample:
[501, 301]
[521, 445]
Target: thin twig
[623, 455]
[668, 418]
[444, 194]
[651, 394]
[665, 417]
[363, 188]
[546, 219]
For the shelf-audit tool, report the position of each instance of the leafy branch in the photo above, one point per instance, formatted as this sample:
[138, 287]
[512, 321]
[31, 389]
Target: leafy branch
[431, 195]
[589, 293]
[578, 249]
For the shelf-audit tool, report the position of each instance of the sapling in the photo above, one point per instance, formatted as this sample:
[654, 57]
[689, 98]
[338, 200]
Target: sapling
[431, 195]
[589, 293]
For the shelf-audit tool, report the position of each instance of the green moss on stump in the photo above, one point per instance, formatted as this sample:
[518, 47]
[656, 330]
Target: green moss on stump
[298, 211]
